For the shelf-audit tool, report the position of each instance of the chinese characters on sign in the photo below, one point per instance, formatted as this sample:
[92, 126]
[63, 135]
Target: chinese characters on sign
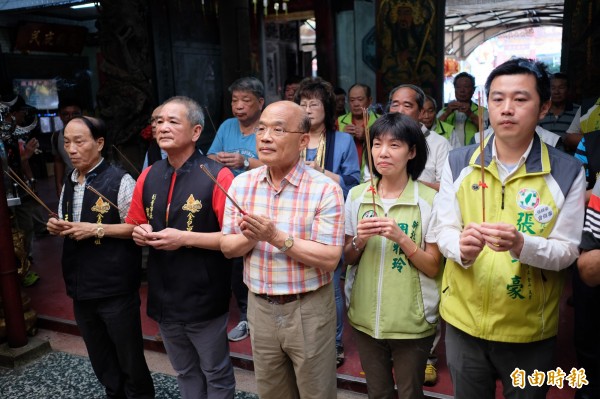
[33, 36]
[575, 379]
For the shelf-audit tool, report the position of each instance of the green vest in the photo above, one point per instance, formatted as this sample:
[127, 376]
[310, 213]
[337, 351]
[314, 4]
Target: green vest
[498, 298]
[590, 117]
[470, 128]
[444, 129]
[346, 120]
[392, 299]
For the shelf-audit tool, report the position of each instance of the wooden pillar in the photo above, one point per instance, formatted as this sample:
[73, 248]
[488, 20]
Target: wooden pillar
[9, 280]
[581, 46]
[234, 30]
[326, 50]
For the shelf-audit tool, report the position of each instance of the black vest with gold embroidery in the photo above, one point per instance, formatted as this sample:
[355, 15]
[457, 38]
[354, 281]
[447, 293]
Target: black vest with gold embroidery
[99, 268]
[189, 284]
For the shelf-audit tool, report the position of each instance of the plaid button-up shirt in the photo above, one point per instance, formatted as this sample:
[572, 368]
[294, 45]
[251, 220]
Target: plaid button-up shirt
[308, 206]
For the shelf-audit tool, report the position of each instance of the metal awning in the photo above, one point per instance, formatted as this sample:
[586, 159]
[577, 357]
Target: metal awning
[471, 22]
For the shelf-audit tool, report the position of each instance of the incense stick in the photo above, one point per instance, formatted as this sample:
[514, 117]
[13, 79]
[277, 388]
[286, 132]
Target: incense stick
[369, 156]
[15, 177]
[210, 119]
[126, 160]
[205, 170]
[98, 193]
[92, 189]
[482, 158]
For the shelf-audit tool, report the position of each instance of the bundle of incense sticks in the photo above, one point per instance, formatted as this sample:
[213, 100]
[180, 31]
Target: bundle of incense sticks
[205, 170]
[99, 194]
[482, 158]
[369, 156]
[15, 177]
[126, 160]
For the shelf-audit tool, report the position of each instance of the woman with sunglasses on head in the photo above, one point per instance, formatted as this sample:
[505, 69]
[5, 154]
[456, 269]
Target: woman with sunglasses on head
[332, 153]
[394, 300]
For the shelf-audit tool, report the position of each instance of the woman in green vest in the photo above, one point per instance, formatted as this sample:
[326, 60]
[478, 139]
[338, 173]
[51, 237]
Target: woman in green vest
[394, 299]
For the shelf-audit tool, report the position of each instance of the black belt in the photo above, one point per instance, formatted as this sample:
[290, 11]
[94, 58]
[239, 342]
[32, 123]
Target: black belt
[281, 299]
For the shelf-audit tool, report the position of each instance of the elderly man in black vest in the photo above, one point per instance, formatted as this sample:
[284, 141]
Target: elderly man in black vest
[101, 264]
[179, 211]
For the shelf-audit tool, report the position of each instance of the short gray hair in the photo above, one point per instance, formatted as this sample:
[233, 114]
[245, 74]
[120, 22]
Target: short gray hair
[194, 111]
[429, 98]
[250, 84]
[420, 98]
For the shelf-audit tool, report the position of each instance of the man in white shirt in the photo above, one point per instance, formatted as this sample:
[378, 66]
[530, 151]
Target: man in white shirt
[409, 99]
[508, 234]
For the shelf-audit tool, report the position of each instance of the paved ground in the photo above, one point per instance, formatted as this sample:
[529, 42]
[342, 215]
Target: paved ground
[66, 374]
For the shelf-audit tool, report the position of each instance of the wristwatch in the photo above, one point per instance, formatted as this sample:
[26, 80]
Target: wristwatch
[99, 231]
[287, 244]
[246, 163]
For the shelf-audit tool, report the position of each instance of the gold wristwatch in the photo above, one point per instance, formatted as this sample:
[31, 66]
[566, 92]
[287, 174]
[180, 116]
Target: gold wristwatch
[99, 231]
[287, 244]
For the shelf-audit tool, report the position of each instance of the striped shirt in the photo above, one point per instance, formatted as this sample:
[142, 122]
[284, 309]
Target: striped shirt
[559, 124]
[123, 201]
[590, 239]
[308, 206]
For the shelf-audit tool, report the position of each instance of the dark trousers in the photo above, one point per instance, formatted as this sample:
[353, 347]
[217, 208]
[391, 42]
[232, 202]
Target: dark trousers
[199, 353]
[239, 288]
[475, 364]
[406, 357]
[586, 303]
[112, 332]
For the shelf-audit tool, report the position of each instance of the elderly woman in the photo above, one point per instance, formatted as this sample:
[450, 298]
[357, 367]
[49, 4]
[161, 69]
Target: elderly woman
[332, 153]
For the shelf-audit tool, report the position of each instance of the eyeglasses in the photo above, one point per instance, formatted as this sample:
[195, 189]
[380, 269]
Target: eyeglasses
[276, 131]
[311, 105]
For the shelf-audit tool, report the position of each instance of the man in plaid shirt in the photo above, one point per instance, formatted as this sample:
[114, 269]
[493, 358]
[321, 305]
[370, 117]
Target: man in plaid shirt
[290, 233]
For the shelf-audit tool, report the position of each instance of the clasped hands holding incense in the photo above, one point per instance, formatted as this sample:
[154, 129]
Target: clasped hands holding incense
[498, 237]
[168, 239]
[259, 228]
[74, 230]
[380, 226]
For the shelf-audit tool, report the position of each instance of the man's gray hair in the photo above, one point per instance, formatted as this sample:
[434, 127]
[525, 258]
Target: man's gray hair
[250, 84]
[194, 111]
[420, 94]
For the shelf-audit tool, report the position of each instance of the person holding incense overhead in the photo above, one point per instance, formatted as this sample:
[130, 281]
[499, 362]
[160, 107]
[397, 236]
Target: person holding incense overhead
[503, 277]
[394, 301]
[291, 239]
[179, 211]
[333, 153]
[101, 264]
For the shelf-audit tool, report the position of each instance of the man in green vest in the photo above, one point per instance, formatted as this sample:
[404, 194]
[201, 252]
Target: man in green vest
[359, 97]
[463, 113]
[429, 119]
[508, 233]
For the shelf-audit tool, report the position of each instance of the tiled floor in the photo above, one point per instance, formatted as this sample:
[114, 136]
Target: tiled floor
[66, 374]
